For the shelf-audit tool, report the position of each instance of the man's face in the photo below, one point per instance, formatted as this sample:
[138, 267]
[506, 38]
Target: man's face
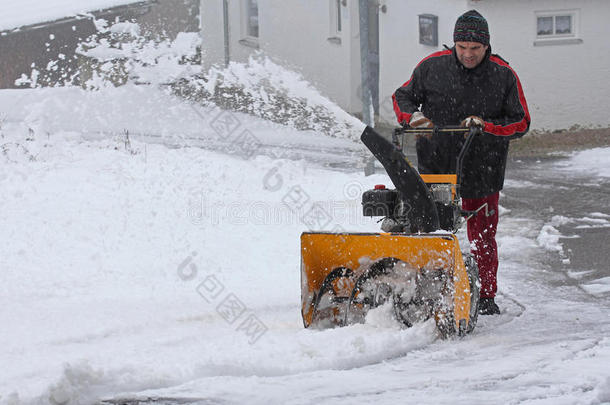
[470, 54]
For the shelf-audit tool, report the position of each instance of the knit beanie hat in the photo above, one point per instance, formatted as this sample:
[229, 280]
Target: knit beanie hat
[471, 27]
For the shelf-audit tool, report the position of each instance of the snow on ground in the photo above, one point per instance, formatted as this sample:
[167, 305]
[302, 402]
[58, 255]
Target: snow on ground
[27, 12]
[158, 117]
[141, 270]
[98, 235]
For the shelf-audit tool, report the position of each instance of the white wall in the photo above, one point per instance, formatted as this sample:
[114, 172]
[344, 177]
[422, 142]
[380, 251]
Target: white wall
[565, 85]
[355, 105]
[400, 50]
[295, 34]
[212, 34]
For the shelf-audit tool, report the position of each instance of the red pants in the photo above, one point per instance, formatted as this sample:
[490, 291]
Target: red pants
[482, 237]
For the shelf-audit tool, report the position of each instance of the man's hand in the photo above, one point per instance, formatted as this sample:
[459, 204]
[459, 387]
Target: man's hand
[473, 121]
[418, 120]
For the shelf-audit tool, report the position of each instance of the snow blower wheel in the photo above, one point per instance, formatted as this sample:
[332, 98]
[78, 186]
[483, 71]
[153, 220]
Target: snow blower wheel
[331, 301]
[475, 290]
[384, 281]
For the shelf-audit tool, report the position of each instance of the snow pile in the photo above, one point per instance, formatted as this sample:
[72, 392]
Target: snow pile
[270, 91]
[593, 162]
[549, 236]
[549, 239]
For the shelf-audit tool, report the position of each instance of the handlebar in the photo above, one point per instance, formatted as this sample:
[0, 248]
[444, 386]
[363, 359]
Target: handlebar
[448, 128]
[472, 132]
[435, 130]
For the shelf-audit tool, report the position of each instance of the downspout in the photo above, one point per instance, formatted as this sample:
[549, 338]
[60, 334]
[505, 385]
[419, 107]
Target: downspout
[368, 113]
[225, 21]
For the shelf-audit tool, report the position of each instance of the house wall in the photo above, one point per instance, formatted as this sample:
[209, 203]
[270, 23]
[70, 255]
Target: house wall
[170, 17]
[400, 50]
[212, 34]
[355, 104]
[294, 34]
[306, 48]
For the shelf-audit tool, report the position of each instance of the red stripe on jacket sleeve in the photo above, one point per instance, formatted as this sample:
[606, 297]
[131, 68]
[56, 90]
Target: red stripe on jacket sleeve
[401, 115]
[515, 127]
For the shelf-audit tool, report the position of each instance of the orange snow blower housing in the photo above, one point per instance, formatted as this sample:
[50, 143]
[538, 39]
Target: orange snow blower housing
[415, 265]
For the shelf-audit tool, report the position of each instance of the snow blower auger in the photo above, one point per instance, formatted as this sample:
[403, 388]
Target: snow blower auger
[414, 265]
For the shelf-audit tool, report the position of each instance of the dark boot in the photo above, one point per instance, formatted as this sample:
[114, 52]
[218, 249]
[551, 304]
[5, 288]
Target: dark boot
[487, 306]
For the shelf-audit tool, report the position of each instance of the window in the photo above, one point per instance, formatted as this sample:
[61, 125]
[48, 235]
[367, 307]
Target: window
[545, 25]
[557, 27]
[252, 18]
[428, 29]
[250, 29]
[336, 16]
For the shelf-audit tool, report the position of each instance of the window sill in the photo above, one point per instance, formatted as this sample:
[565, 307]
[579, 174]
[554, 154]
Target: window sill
[249, 42]
[557, 41]
[334, 40]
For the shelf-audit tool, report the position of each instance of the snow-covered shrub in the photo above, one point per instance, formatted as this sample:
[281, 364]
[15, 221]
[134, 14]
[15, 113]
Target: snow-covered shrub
[13, 152]
[270, 91]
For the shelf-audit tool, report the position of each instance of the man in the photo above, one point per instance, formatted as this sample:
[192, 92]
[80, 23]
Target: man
[469, 86]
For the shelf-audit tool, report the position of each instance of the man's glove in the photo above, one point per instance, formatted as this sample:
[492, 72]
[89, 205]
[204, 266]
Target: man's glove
[418, 120]
[473, 121]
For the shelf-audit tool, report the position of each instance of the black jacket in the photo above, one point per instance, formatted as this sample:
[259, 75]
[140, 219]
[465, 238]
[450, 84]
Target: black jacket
[448, 93]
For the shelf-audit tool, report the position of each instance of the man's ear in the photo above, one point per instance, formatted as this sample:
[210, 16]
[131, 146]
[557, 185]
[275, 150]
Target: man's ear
[486, 48]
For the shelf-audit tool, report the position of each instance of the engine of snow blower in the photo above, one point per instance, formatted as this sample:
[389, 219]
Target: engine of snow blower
[383, 202]
[415, 265]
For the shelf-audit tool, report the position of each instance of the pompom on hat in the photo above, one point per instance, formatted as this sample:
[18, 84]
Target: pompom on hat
[471, 27]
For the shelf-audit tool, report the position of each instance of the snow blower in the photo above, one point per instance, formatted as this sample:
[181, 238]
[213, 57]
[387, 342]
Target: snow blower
[414, 265]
